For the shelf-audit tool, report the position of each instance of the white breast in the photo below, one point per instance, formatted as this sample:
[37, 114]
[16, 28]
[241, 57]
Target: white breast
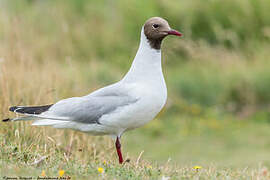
[145, 81]
[149, 104]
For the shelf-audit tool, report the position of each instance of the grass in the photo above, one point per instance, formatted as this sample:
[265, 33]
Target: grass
[217, 114]
[132, 171]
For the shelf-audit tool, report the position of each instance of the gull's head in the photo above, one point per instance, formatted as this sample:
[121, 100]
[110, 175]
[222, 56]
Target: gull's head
[156, 29]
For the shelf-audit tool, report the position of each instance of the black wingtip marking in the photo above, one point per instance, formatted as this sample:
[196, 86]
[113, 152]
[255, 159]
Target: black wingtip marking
[13, 108]
[6, 120]
[30, 109]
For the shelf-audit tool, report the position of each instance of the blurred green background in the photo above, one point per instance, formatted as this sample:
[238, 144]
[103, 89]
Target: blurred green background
[218, 74]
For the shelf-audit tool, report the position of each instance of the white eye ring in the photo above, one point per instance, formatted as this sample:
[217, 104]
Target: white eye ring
[155, 26]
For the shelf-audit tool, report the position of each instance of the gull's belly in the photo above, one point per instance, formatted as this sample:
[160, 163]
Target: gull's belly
[149, 104]
[145, 112]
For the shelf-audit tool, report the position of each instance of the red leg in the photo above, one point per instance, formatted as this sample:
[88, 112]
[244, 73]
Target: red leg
[118, 149]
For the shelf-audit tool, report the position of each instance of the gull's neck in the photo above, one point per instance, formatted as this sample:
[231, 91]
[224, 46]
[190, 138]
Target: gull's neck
[146, 64]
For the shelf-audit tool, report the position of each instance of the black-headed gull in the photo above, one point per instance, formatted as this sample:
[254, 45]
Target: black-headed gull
[114, 109]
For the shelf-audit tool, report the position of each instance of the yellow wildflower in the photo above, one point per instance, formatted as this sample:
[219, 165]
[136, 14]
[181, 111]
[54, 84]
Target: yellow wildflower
[104, 162]
[61, 173]
[43, 173]
[100, 170]
[149, 167]
[197, 167]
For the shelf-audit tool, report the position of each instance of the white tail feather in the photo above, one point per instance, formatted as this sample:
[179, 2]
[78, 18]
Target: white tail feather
[48, 122]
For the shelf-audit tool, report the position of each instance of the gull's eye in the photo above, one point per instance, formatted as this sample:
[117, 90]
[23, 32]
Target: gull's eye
[155, 26]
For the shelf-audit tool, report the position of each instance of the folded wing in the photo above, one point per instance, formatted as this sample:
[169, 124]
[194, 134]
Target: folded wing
[88, 109]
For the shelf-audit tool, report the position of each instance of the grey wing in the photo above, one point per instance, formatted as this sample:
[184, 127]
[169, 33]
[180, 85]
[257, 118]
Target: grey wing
[89, 109]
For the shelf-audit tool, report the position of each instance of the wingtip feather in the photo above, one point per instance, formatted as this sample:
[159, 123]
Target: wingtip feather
[6, 120]
[13, 108]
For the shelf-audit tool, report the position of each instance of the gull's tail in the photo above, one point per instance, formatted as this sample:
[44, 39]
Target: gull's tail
[28, 111]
